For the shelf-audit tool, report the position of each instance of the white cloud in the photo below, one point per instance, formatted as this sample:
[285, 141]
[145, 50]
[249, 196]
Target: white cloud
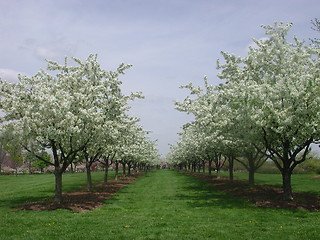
[55, 50]
[46, 53]
[9, 74]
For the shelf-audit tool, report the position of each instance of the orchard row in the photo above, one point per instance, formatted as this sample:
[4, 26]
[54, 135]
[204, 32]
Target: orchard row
[76, 114]
[268, 108]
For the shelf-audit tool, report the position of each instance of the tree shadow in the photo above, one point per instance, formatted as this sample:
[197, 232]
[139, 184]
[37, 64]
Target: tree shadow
[17, 201]
[203, 195]
[239, 194]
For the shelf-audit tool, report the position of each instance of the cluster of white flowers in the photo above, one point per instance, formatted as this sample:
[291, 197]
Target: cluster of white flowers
[79, 108]
[270, 103]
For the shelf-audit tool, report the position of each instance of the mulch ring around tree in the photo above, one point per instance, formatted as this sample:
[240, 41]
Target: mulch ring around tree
[83, 201]
[264, 196]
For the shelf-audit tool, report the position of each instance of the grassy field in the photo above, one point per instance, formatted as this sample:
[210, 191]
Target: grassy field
[162, 205]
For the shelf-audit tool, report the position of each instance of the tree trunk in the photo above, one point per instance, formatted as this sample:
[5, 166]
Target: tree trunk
[140, 166]
[203, 166]
[251, 177]
[286, 184]
[58, 185]
[29, 168]
[117, 171]
[71, 168]
[218, 173]
[129, 167]
[210, 163]
[231, 163]
[106, 171]
[89, 179]
[124, 168]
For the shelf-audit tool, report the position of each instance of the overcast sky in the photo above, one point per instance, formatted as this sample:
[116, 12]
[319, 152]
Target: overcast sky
[168, 42]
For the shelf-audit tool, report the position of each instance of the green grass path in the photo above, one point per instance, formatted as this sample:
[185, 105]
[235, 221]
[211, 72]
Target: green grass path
[164, 205]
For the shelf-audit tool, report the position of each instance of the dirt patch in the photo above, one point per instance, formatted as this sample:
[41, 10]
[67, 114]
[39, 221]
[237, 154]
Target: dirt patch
[82, 201]
[263, 196]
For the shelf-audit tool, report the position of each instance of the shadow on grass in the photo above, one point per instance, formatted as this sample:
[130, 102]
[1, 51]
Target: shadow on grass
[203, 195]
[17, 201]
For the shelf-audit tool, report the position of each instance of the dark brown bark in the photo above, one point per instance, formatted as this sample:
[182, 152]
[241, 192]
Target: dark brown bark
[286, 185]
[89, 178]
[251, 176]
[255, 159]
[106, 173]
[231, 164]
[58, 185]
[218, 174]
[129, 168]
[124, 168]
[71, 168]
[2, 156]
[61, 162]
[210, 168]
[218, 163]
[194, 166]
[286, 159]
[58, 175]
[116, 170]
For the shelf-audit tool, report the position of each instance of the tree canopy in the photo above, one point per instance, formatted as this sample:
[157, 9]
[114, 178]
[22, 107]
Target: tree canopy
[77, 108]
[269, 103]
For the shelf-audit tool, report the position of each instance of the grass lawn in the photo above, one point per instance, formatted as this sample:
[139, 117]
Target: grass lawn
[17, 190]
[162, 205]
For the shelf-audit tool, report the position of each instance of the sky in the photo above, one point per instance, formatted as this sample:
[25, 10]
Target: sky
[169, 43]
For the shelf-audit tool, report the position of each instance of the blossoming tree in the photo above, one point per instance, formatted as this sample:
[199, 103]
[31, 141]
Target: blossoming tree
[269, 105]
[62, 112]
[283, 97]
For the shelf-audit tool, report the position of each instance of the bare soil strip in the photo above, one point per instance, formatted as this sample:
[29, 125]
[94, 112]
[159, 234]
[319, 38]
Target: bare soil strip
[82, 201]
[264, 196]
